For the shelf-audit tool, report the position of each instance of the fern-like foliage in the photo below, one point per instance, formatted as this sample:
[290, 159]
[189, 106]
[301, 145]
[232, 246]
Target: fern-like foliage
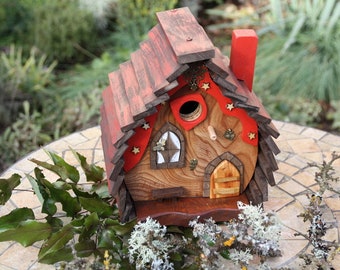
[306, 50]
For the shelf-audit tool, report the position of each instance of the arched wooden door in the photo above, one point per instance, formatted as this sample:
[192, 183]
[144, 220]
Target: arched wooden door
[225, 180]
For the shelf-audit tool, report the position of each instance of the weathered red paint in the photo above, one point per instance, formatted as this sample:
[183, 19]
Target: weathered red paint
[243, 55]
[177, 104]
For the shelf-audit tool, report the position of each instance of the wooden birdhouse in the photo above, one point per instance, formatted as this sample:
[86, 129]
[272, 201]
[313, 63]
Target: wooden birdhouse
[183, 133]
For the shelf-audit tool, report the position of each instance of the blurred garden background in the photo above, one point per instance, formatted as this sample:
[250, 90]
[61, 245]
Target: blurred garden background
[55, 57]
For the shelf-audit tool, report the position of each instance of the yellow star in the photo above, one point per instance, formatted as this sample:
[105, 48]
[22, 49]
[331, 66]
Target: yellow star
[251, 135]
[135, 150]
[205, 86]
[230, 106]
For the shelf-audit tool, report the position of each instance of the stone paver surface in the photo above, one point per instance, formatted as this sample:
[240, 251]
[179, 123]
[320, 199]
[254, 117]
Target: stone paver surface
[299, 146]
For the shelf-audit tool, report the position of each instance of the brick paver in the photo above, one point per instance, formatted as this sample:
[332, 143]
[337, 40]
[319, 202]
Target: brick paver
[299, 146]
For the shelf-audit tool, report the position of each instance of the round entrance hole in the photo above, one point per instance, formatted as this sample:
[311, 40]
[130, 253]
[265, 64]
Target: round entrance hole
[190, 110]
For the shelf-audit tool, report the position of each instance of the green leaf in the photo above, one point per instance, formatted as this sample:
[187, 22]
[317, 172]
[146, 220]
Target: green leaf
[108, 240]
[62, 255]
[69, 204]
[13, 180]
[101, 189]
[55, 245]
[174, 229]
[188, 233]
[81, 193]
[35, 187]
[27, 233]
[225, 254]
[55, 222]
[14, 218]
[78, 222]
[57, 169]
[49, 207]
[120, 229]
[92, 172]
[90, 226]
[85, 248]
[72, 172]
[96, 205]
[60, 171]
[91, 221]
[61, 185]
[7, 186]
[176, 256]
[210, 242]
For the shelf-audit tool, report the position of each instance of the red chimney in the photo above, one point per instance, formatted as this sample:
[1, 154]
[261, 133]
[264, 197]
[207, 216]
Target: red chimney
[243, 55]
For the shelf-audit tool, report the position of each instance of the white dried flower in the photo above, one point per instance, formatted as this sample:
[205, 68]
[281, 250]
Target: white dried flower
[206, 231]
[207, 234]
[160, 264]
[240, 256]
[263, 266]
[320, 254]
[259, 229]
[148, 245]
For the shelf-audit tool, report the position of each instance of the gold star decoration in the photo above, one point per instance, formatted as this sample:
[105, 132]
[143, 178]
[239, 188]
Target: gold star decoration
[205, 86]
[230, 106]
[135, 150]
[146, 126]
[251, 135]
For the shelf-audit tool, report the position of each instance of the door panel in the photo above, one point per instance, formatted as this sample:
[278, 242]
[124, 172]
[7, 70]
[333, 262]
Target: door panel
[225, 181]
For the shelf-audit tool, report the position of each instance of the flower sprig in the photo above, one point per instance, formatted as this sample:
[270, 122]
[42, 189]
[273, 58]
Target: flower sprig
[149, 247]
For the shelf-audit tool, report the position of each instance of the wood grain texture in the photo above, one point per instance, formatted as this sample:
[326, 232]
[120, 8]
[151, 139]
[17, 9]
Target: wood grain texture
[153, 65]
[131, 87]
[225, 84]
[119, 153]
[266, 168]
[120, 100]
[166, 193]
[117, 170]
[261, 182]
[110, 118]
[269, 155]
[272, 145]
[127, 135]
[225, 180]
[109, 149]
[246, 106]
[253, 100]
[159, 100]
[140, 180]
[261, 120]
[143, 77]
[115, 184]
[268, 129]
[187, 38]
[126, 205]
[233, 95]
[219, 64]
[273, 131]
[179, 212]
[170, 68]
[254, 193]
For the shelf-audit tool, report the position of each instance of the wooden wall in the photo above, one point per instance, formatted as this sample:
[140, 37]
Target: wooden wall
[141, 180]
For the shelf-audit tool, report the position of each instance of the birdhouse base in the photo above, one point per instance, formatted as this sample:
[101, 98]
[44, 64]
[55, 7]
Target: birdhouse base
[179, 211]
